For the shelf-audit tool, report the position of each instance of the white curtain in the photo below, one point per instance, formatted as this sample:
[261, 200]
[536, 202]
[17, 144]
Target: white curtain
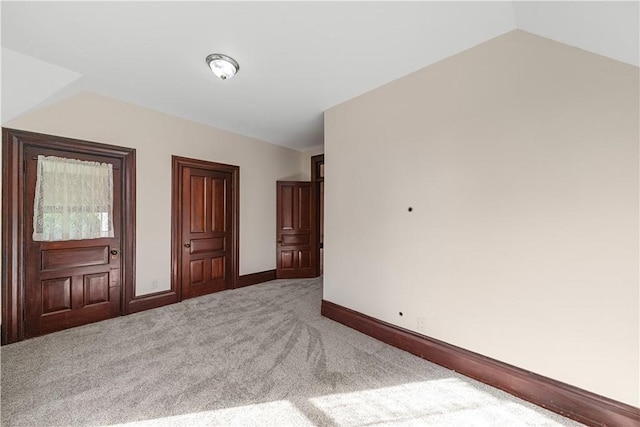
[73, 201]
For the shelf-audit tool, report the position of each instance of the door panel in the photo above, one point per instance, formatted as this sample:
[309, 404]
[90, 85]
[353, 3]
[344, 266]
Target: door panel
[96, 288]
[56, 295]
[295, 255]
[197, 204]
[286, 260]
[206, 245]
[219, 220]
[206, 231]
[304, 259]
[286, 207]
[217, 268]
[70, 283]
[295, 239]
[196, 271]
[304, 208]
[55, 259]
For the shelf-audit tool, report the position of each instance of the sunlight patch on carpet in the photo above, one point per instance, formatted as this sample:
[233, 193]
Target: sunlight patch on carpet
[279, 413]
[444, 402]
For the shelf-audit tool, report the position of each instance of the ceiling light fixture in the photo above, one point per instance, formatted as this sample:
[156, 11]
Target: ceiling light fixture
[222, 66]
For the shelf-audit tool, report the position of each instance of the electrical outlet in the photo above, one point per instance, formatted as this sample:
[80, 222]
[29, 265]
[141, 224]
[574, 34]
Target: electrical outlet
[422, 324]
[154, 284]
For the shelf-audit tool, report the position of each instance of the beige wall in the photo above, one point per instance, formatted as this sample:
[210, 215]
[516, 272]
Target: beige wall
[156, 137]
[305, 161]
[520, 160]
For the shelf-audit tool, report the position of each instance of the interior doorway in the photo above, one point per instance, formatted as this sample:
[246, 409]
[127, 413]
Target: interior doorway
[295, 254]
[205, 226]
[54, 284]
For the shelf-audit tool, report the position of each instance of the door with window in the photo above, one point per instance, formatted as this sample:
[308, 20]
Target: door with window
[72, 243]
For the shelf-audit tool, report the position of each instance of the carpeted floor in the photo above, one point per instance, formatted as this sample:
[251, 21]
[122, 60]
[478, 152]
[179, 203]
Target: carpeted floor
[256, 356]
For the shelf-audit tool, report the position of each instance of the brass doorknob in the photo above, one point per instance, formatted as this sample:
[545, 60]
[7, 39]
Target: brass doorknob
[187, 245]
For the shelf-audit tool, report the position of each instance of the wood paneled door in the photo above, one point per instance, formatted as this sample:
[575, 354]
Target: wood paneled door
[74, 282]
[53, 285]
[295, 254]
[205, 223]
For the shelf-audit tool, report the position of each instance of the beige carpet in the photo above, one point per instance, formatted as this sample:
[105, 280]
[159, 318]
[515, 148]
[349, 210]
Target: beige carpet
[257, 356]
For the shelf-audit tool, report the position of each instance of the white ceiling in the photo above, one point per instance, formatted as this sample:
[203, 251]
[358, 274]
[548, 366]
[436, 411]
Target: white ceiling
[296, 58]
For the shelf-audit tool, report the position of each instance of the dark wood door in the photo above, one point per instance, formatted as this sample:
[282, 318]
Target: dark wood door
[295, 246]
[75, 282]
[206, 231]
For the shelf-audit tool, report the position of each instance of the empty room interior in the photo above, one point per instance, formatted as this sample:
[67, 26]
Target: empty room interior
[173, 253]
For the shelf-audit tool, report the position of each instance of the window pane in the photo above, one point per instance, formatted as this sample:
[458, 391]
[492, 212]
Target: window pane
[73, 201]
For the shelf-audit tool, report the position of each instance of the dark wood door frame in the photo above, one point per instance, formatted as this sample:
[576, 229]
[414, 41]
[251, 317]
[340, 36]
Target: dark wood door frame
[177, 164]
[14, 143]
[316, 179]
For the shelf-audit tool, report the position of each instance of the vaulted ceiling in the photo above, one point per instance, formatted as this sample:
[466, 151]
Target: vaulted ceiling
[296, 58]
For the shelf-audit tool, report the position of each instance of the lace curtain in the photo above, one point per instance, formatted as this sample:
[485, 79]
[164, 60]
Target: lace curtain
[74, 200]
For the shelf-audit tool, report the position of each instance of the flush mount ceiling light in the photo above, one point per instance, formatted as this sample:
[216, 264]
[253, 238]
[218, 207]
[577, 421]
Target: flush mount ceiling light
[222, 66]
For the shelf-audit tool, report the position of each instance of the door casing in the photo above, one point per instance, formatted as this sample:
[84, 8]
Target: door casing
[317, 207]
[177, 166]
[14, 144]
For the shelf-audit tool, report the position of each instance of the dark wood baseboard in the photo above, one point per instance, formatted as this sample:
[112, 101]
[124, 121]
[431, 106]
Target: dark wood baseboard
[569, 401]
[147, 302]
[159, 299]
[255, 278]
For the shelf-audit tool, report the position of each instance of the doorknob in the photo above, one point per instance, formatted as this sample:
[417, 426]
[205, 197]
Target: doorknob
[114, 252]
[187, 245]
